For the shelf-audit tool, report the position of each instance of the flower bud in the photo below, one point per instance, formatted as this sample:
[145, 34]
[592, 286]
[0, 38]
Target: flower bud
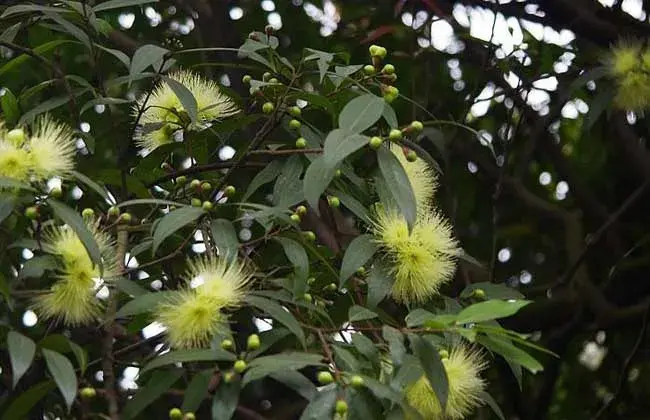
[87, 213]
[369, 69]
[274, 81]
[295, 111]
[479, 293]
[333, 201]
[325, 378]
[356, 381]
[411, 156]
[195, 202]
[388, 69]
[253, 342]
[417, 126]
[268, 107]
[246, 79]
[240, 366]
[228, 377]
[189, 416]
[113, 211]
[206, 187]
[87, 393]
[294, 125]
[309, 235]
[295, 218]
[125, 218]
[375, 142]
[301, 210]
[395, 135]
[195, 184]
[16, 137]
[227, 344]
[175, 414]
[301, 143]
[229, 191]
[207, 206]
[266, 76]
[341, 407]
[181, 180]
[56, 192]
[444, 354]
[307, 297]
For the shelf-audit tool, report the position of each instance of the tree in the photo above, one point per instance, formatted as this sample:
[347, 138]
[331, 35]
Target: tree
[282, 210]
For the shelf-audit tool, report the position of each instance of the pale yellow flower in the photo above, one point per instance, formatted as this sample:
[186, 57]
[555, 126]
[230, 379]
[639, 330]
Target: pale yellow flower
[225, 282]
[51, 149]
[421, 177]
[629, 64]
[14, 161]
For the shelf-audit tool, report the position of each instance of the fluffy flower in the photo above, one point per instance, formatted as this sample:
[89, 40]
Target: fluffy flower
[164, 110]
[14, 161]
[72, 299]
[624, 58]
[422, 178]
[194, 315]
[51, 149]
[421, 260]
[629, 65]
[463, 369]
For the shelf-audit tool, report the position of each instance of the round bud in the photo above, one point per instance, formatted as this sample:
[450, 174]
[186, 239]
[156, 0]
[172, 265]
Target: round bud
[331, 287]
[274, 80]
[333, 201]
[206, 187]
[196, 184]
[311, 280]
[294, 125]
[16, 137]
[125, 218]
[388, 69]
[356, 381]
[389, 98]
[207, 206]
[31, 212]
[56, 192]
[87, 213]
[253, 342]
[309, 235]
[375, 142]
[325, 378]
[246, 79]
[411, 156]
[295, 218]
[268, 107]
[295, 111]
[361, 271]
[382, 52]
[392, 90]
[301, 143]
[195, 202]
[189, 416]
[341, 407]
[395, 135]
[479, 293]
[417, 126]
[301, 210]
[113, 211]
[181, 180]
[374, 50]
[229, 191]
[337, 173]
[266, 76]
[240, 366]
[321, 304]
[444, 354]
[175, 414]
[228, 377]
[307, 297]
[87, 392]
[369, 69]
[227, 344]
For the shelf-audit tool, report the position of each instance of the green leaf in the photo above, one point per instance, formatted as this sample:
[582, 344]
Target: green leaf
[46, 106]
[323, 63]
[36, 266]
[343, 72]
[379, 284]
[7, 203]
[278, 313]
[10, 109]
[298, 257]
[76, 222]
[359, 251]
[150, 392]
[340, 144]
[317, 177]
[22, 8]
[103, 101]
[488, 310]
[389, 115]
[116, 4]
[265, 365]
[11, 65]
[69, 28]
[353, 205]
[597, 106]
[197, 390]
[11, 183]
[492, 291]
[21, 354]
[287, 190]
[266, 175]
[359, 313]
[10, 33]
[129, 286]
[63, 374]
[21, 406]
[322, 406]
[185, 96]
[225, 238]
[172, 222]
[510, 352]
[361, 113]
[417, 317]
[144, 303]
[395, 340]
[145, 56]
[345, 359]
[123, 58]
[225, 400]
[296, 381]
[484, 396]
[397, 183]
[80, 354]
[433, 367]
[91, 184]
[190, 355]
[365, 346]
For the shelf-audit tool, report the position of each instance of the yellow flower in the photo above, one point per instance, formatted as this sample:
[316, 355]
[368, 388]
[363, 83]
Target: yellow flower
[72, 299]
[14, 161]
[192, 319]
[624, 58]
[422, 260]
[224, 282]
[165, 110]
[422, 178]
[463, 369]
[51, 149]
[633, 91]
[629, 64]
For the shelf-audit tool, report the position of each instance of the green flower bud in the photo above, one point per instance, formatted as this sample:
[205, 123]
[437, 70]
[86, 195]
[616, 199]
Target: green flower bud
[341, 407]
[295, 111]
[189, 416]
[266, 76]
[246, 79]
[325, 378]
[268, 107]
[361, 271]
[376, 51]
[444, 354]
[294, 125]
[331, 287]
[195, 202]
[333, 201]
[375, 142]
[417, 126]
[253, 342]
[356, 381]
[388, 69]
[229, 191]
[196, 184]
[311, 280]
[395, 134]
[307, 297]
[301, 143]
[301, 210]
[31, 212]
[207, 206]
[181, 180]
[16, 137]
[56, 192]
[125, 218]
[411, 156]
[295, 218]
[227, 344]
[309, 235]
[369, 69]
[175, 414]
[206, 187]
[479, 293]
[87, 393]
[87, 213]
[274, 80]
[228, 377]
[240, 366]
[338, 173]
[113, 211]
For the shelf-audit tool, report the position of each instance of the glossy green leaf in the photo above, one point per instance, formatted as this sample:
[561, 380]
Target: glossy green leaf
[298, 257]
[278, 313]
[491, 309]
[172, 222]
[77, 224]
[345, 360]
[21, 354]
[353, 205]
[265, 365]
[197, 390]
[317, 177]
[43, 48]
[128, 286]
[7, 203]
[296, 381]
[365, 346]
[266, 175]
[144, 303]
[69, 27]
[146, 56]
[389, 115]
[35, 267]
[150, 392]
[189, 355]
[484, 396]
[432, 366]
[510, 352]
[287, 190]
[225, 238]
[23, 404]
[359, 251]
[322, 406]
[359, 313]
[225, 400]
[361, 113]
[397, 183]
[395, 340]
[10, 109]
[379, 284]
[492, 291]
[116, 4]
[63, 374]
[184, 95]
[340, 144]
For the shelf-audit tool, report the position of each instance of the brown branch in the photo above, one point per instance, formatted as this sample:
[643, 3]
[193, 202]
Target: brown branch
[283, 152]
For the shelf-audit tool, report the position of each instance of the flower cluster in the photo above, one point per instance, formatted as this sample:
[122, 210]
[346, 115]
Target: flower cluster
[48, 152]
[164, 113]
[424, 258]
[194, 315]
[463, 368]
[629, 64]
[73, 299]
